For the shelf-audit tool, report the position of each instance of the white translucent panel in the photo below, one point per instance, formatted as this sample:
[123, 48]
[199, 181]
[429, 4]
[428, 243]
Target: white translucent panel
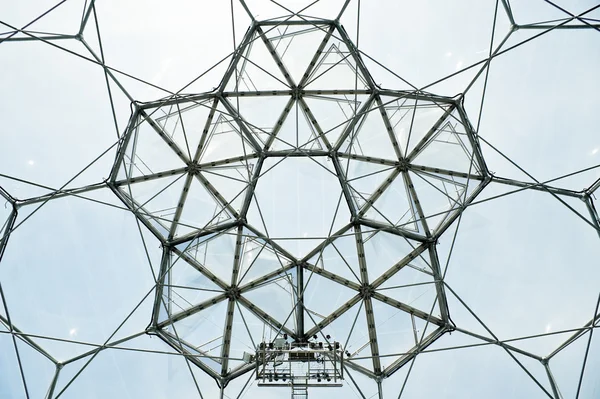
[395, 332]
[178, 126]
[147, 153]
[412, 287]
[364, 178]
[157, 199]
[153, 43]
[241, 168]
[536, 73]
[295, 47]
[536, 12]
[188, 287]
[441, 196]
[215, 253]
[38, 370]
[337, 68]
[260, 113]
[448, 147]
[264, 9]
[412, 119]
[203, 331]
[340, 257]
[257, 69]
[66, 124]
[371, 137]
[11, 381]
[122, 373]
[395, 206]
[341, 328]
[259, 259]
[333, 112]
[568, 364]
[61, 18]
[323, 296]
[247, 332]
[300, 202]
[353, 333]
[485, 371]
[277, 299]
[201, 208]
[542, 236]
[384, 252]
[184, 123]
[229, 185]
[296, 132]
[62, 278]
[457, 35]
[224, 138]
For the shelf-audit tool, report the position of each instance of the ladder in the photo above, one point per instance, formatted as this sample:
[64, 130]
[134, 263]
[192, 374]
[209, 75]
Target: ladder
[299, 392]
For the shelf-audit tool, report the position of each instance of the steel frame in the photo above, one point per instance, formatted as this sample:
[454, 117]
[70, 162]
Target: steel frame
[192, 168]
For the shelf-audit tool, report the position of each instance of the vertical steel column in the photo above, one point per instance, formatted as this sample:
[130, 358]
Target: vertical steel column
[367, 293]
[233, 295]
[300, 333]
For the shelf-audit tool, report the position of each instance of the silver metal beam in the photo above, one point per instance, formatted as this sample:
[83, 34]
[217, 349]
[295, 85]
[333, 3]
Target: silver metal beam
[175, 343]
[388, 127]
[394, 230]
[439, 285]
[333, 277]
[415, 199]
[367, 292]
[174, 318]
[265, 317]
[412, 353]
[334, 315]
[400, 265]
[408, 309]
[379, 191]
[421, 144]
[233, 295]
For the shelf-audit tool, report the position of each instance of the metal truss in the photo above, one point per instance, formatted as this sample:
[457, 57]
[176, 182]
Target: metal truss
[204, 173]
[434, 122]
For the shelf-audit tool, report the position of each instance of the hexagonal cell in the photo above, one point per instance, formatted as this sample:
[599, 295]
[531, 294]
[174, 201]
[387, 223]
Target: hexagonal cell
[283, 173]
[180, 157]
[298, 199]
[298, 202]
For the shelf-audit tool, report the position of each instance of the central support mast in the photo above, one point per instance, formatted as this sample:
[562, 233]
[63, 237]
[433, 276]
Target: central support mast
[300, 303]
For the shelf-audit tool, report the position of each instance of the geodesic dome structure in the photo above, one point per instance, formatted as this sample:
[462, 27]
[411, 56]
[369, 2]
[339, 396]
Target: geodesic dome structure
[382, 180]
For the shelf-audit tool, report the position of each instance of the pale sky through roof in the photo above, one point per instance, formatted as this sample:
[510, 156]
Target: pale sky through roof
[522, 257]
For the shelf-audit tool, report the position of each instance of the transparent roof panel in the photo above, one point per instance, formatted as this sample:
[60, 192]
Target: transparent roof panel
[334, 199]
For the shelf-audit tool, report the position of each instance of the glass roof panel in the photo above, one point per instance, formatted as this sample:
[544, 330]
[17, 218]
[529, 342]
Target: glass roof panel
[535, 268]
[62, 280]
[298, 202]
[534, 71]
[466, 372]
[210, 200]
[71, 128]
